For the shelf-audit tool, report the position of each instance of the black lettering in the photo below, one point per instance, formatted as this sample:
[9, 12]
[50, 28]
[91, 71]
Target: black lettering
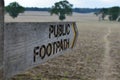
[54, 44]
[59, 30]
[64, 31]
[68, 29]
[49, 49]
[56, 31]
[66, 43]
[57, 46]
[36, 52]
[51, 30]
[61, 45]
[42, 52]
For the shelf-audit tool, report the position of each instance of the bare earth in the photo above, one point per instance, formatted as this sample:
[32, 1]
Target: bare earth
[95, 57]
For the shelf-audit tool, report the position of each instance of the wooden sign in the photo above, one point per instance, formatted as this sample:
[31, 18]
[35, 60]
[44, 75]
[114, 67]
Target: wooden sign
[28, 44]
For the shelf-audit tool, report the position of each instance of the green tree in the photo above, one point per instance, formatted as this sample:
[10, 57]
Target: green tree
[62, 8]
[104, 12]
[114, 12]
[14, 9]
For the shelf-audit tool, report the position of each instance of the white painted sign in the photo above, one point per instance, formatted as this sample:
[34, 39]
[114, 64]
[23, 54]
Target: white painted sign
[28, 44]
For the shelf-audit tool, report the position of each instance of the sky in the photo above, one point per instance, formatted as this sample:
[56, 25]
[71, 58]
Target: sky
[76, 3]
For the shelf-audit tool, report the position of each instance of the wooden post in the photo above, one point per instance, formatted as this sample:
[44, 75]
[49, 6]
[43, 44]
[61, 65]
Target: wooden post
[1, 37]
[118, 18]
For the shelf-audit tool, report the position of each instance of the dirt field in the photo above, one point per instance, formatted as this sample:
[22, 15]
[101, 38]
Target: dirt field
[95, 57]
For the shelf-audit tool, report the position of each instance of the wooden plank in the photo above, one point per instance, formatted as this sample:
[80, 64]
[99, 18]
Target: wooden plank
[29, 44]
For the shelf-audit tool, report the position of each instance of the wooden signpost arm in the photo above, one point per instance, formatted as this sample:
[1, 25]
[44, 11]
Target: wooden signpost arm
[28, 44]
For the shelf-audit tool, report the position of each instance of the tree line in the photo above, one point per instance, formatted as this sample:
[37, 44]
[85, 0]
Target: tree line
[61, 8]
[64, 8]
[78, 10]
[112, 12]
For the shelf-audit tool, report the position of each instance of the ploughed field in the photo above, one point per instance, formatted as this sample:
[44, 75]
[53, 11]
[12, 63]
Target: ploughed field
[95, 57]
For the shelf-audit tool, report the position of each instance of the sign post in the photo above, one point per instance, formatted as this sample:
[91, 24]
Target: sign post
[25, 45]
[1, 37]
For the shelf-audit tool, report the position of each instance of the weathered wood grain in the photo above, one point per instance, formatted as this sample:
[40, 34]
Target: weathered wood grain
[28, 44]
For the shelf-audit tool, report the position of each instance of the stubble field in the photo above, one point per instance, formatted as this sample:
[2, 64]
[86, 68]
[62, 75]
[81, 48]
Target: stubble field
[95, 57]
